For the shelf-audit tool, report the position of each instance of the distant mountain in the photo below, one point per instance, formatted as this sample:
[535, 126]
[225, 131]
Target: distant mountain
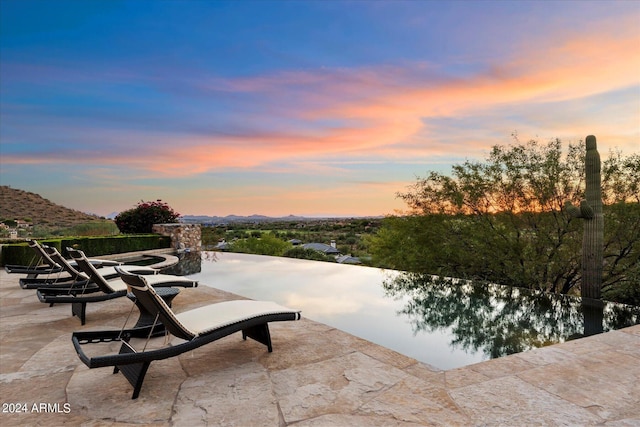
[205, 219]
[24, 205]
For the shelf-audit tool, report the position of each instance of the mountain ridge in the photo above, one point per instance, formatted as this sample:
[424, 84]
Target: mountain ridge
[209, 219]
[24, 205]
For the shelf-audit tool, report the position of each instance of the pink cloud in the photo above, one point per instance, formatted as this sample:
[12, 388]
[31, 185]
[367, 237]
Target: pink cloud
[382, 111]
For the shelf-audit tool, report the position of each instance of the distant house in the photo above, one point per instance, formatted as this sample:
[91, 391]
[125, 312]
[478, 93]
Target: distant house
[348, 259]
[323, 248]
[222, 246]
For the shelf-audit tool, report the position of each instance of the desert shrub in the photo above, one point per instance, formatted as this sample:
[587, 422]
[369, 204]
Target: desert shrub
[268, 244]
[210, 236]
[141, 218]
[94, 228]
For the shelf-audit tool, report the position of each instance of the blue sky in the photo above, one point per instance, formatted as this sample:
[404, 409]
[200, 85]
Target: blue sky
[298, 107]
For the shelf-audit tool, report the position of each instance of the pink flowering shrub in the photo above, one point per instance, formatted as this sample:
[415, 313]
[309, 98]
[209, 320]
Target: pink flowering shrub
[141, 218]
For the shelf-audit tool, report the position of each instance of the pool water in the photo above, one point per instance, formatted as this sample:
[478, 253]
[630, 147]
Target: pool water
[443, 324]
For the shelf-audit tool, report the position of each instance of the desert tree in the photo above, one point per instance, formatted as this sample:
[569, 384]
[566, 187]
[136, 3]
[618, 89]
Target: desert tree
[505, 219]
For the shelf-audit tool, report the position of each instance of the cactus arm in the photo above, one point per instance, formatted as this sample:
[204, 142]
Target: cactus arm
[572, 210]
[586, 211]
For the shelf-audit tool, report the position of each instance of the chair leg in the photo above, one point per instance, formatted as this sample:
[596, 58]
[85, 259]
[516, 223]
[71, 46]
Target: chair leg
[259, 333]
[134, 372]
[79, 309]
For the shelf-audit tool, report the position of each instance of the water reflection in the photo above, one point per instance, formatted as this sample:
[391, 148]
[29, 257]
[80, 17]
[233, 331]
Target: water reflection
[499, 320]
[189, 263]
[593, 315]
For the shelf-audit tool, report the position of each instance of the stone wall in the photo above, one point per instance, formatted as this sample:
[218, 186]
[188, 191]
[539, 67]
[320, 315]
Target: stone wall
[183, 236]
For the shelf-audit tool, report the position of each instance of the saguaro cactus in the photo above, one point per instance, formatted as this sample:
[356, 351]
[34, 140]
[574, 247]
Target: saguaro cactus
[591, 211]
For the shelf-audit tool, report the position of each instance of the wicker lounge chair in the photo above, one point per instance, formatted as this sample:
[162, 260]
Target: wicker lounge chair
[108, 273]
[109, 289]
[47, 266]
[74, 277]
[196, 327]
[42, 264]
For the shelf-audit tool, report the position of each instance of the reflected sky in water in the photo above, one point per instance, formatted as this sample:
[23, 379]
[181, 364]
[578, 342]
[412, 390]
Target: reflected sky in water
[443, 325]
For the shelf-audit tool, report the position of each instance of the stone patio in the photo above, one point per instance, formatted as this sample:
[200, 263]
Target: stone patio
[316, 376]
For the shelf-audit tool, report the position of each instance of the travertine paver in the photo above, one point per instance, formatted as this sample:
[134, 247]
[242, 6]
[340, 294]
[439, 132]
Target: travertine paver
[316, 376]
[239, 396]
[340, 384]
[589, 388]
[511, 401]
[410, 401]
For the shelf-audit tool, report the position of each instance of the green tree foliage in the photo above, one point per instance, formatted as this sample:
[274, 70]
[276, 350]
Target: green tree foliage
[211, 236]
[141, 218]
[268, 244]
[504, 220]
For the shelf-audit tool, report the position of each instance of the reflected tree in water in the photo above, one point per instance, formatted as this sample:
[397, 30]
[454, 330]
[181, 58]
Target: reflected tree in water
[500, 320]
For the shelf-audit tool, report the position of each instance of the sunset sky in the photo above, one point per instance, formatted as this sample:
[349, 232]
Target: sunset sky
[316, 108]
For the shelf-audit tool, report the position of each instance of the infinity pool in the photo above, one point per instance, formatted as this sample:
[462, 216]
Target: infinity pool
[439, 323]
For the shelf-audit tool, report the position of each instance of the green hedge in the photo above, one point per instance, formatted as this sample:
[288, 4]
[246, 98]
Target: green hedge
[22, 254]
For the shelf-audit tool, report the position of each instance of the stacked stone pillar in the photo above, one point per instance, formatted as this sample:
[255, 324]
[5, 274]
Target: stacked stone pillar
[184, 237]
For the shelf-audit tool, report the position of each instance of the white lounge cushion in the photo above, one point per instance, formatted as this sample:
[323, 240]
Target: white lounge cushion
[204, 319]
[117, 284]
[97, 262]
[104, 262]
[168, 280]
[135, 269]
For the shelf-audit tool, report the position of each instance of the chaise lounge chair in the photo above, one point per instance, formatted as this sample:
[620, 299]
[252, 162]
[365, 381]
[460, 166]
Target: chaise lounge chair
[74, 277]
[196, 327]
[108, 289]
[47, 266]
[42, 265]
